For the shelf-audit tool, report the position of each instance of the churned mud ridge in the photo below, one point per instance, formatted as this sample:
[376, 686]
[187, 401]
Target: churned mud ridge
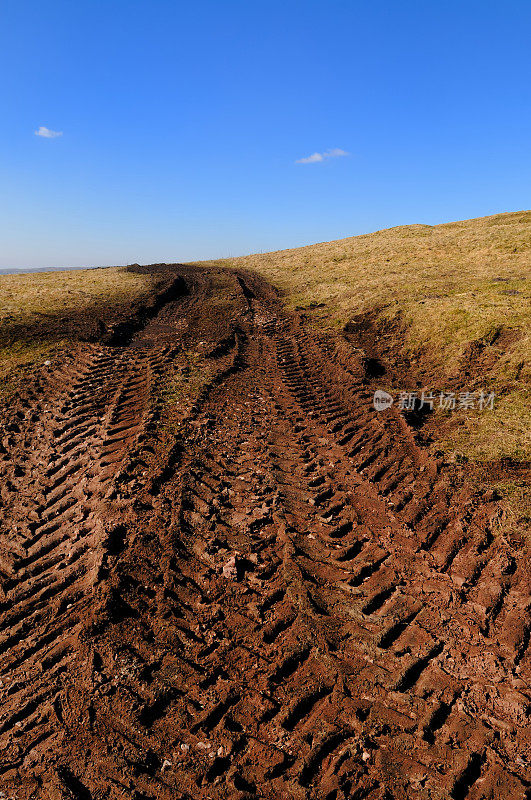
[224, 575]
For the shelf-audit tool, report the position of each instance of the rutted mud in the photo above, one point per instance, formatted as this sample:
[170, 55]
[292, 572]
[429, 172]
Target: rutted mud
[251, 585]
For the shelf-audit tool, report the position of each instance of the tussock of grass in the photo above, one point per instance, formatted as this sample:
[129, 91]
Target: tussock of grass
[187, 381]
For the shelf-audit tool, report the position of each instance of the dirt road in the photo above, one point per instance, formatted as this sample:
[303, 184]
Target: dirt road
[224, 575]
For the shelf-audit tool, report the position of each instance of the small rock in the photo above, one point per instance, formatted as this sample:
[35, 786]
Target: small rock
[230, 569]
[47, 363]
[185, 748]
[165, 765]
[220, 751]
[366, 756]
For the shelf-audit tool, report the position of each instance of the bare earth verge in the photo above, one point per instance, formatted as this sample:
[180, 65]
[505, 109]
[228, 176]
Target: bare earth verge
[224, 575]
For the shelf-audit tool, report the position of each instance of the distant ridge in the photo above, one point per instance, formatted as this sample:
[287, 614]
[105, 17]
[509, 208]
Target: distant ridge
[22, 270]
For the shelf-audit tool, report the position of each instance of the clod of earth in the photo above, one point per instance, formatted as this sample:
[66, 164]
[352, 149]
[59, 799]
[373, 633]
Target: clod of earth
[231, 569]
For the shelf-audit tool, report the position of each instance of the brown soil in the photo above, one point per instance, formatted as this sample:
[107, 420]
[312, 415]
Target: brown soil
[237, 580]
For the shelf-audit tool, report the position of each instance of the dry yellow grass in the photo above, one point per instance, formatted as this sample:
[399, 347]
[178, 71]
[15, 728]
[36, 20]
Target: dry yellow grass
[29, 298]
[33, 306]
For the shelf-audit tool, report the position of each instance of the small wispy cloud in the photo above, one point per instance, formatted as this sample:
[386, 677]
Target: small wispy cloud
[46, 133]
[315, 158]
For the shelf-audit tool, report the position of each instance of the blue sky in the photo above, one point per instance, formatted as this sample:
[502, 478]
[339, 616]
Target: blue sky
[183, 123]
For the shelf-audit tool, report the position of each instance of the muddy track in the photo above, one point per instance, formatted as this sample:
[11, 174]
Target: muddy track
[368, 639]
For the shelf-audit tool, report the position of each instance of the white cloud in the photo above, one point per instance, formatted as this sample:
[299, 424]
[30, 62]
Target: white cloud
[335, 152]
[46, 133]
[313, 159]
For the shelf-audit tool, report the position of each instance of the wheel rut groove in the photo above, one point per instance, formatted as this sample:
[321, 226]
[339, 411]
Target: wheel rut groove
[224, 575]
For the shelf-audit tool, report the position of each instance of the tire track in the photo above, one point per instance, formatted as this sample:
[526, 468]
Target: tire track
[56, 559]
[271, 593]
